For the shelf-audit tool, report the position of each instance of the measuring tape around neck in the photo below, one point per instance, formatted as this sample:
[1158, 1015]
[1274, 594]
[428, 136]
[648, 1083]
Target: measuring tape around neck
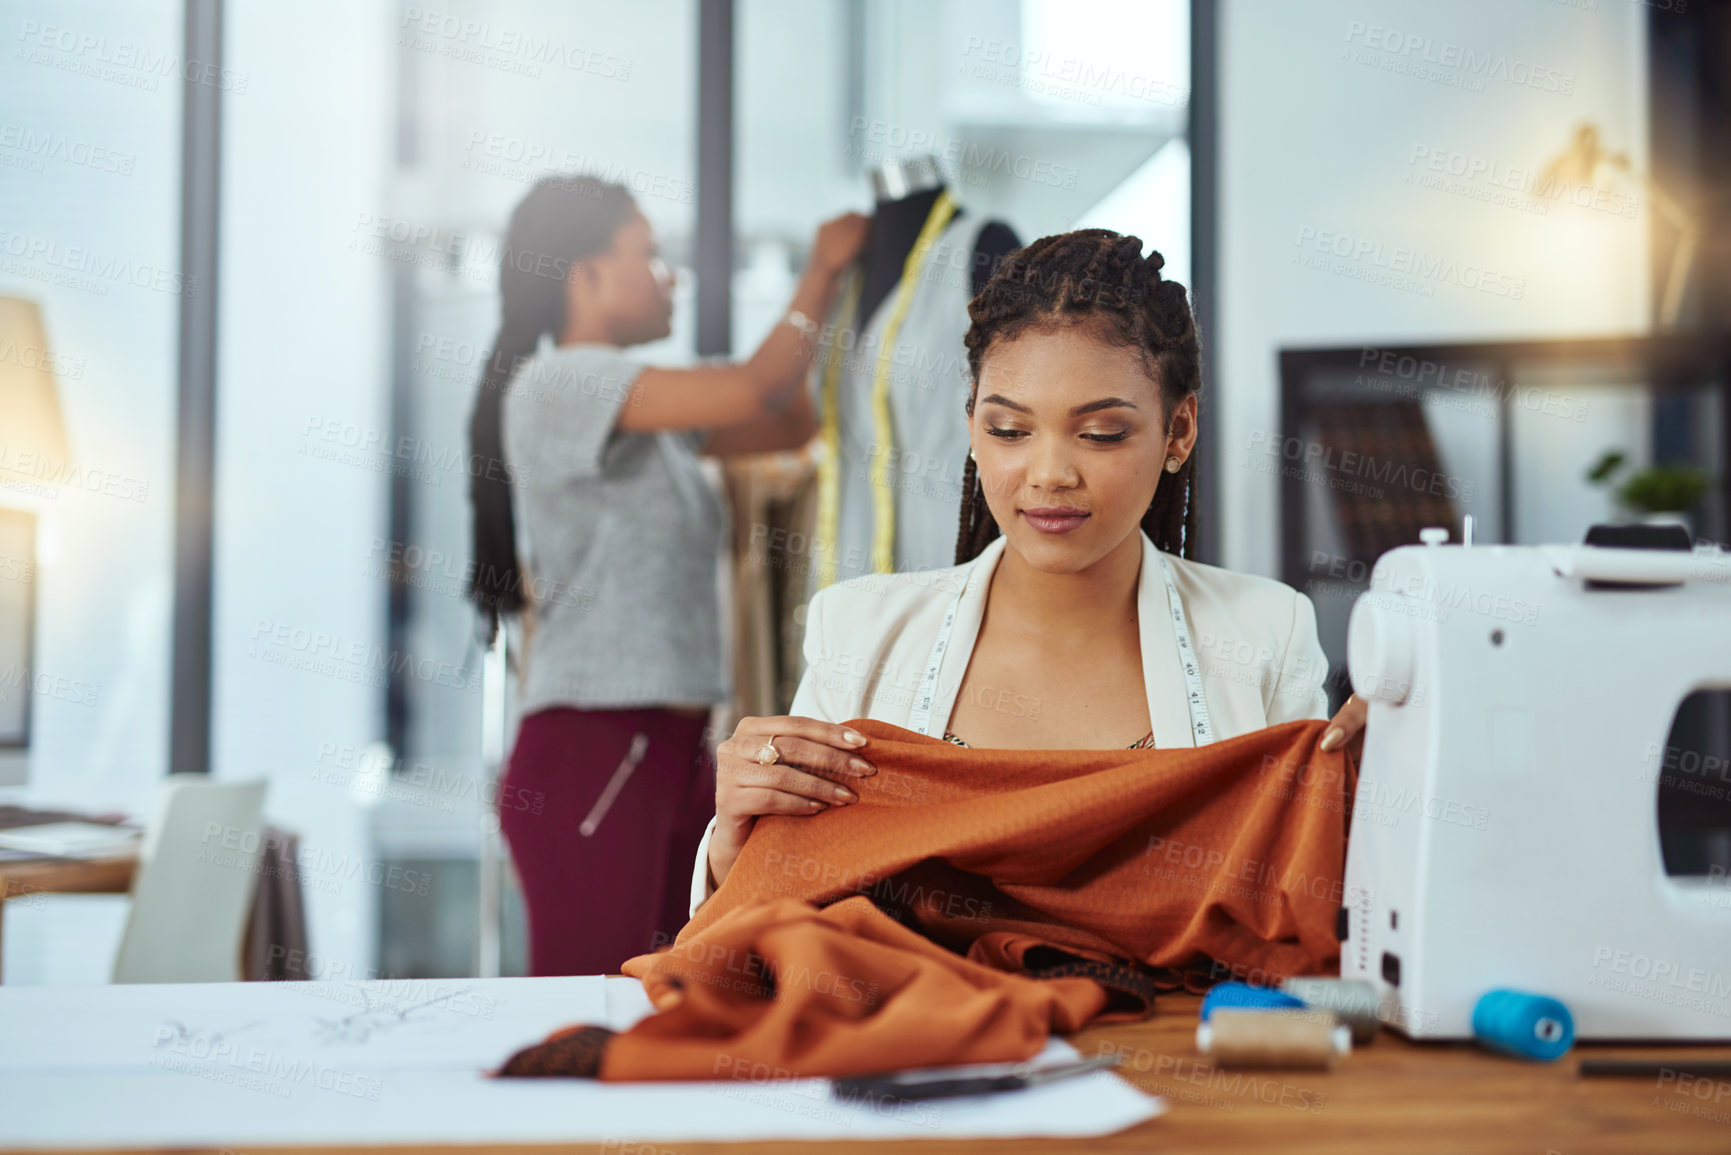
[829, 468]
[1201, 729]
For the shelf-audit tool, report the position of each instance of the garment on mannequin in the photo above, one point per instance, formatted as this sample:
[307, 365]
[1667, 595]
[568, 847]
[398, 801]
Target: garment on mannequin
[897, 425]
[894, 228]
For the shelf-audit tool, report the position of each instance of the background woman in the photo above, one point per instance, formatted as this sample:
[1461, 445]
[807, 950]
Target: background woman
[1076, 505]
[599, 486]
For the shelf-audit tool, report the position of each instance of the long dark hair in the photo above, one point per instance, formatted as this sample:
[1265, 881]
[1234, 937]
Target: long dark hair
[1100, 278]
[559, 222]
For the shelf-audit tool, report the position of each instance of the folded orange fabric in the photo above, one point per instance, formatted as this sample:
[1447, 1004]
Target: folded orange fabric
[901, 930]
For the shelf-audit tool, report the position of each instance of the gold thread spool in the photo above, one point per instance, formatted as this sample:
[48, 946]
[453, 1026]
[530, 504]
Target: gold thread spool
[1236, 1037]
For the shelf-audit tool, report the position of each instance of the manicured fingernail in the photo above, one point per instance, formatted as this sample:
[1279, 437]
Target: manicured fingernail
[861, 766]
[854, 736]
[814, 804]
[843, 794]
[1332, 739]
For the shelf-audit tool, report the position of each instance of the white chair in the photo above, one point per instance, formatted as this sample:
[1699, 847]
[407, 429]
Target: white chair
[197, 874]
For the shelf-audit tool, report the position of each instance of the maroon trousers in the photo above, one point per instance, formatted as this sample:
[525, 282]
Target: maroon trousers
[603, 811]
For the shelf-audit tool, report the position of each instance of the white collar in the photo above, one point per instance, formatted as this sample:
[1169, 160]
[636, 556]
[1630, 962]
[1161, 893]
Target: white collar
[1162, 673]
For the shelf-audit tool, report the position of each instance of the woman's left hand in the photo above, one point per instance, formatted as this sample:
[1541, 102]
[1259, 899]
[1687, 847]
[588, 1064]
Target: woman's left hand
[1347, 725]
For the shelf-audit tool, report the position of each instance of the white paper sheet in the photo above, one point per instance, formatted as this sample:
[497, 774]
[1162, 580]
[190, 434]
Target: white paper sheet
[401, 1069]
[386, 1024]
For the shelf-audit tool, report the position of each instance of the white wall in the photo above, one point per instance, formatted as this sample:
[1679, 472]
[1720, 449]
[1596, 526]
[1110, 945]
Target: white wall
[1319, 131]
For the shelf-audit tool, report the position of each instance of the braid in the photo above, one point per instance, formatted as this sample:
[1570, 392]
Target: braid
[495, 586]
[1099, 278]
[977, 527]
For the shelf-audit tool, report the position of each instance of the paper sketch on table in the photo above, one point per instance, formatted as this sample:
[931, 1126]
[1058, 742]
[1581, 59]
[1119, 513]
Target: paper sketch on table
[380, 1014]
[375, 1024]
[424, 1043]
[175, 1031]
[379, 1018]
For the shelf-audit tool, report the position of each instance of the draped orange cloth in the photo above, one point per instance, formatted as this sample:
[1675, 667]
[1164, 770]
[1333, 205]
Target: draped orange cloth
[975, 901]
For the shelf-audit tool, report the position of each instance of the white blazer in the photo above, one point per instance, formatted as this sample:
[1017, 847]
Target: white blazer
[868, 641]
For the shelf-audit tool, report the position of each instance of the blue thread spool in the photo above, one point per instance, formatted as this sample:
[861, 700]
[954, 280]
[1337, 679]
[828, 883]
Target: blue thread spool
[1247, 997]
[1525, 1025]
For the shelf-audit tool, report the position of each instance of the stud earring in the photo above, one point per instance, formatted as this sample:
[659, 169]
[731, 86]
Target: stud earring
[1173, 464]
[971, 453]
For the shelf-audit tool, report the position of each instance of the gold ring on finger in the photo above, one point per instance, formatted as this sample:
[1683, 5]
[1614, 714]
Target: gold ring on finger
[767, 754]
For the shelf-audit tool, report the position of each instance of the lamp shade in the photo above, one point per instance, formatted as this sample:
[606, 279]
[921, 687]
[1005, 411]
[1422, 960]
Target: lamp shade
[32, 435]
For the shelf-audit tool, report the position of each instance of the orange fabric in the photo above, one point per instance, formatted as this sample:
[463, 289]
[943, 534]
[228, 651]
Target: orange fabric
[1005, 861]
[853, 992]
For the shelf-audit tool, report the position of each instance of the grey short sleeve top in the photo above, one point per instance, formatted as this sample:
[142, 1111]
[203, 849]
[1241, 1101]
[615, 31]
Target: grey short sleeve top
[622, 533]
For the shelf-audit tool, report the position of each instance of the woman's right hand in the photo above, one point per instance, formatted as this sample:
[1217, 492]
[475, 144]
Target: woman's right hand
[839, 241]
[801, 781]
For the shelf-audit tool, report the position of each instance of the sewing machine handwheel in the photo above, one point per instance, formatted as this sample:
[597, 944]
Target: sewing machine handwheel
[1379, 648]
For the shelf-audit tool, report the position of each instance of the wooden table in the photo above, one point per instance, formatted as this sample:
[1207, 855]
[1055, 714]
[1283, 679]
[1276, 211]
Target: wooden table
[1392, 1096]
[23, 878]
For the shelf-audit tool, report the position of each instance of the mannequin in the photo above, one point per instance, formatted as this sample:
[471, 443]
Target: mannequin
[905, 193]
[897, 426]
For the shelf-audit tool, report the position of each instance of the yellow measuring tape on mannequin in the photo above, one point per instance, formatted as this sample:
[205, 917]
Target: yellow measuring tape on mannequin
[829, 469]
[829, 465]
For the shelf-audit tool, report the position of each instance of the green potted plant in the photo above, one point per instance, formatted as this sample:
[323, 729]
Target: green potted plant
[1656, 494]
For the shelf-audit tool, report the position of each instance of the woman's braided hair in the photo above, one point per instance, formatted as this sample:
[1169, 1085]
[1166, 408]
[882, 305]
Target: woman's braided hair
[1099, 278]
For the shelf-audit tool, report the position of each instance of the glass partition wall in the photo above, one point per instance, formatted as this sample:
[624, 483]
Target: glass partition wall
[370, 156]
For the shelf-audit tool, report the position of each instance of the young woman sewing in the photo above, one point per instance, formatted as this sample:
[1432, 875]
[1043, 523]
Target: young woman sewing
[1075, 598]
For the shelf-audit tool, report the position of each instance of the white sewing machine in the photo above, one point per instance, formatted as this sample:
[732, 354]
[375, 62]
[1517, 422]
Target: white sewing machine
[1505, 831]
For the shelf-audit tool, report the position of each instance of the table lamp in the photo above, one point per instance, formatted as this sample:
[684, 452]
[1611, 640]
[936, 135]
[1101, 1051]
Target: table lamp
[32, 451]
[32, 436]
[1580, 164]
